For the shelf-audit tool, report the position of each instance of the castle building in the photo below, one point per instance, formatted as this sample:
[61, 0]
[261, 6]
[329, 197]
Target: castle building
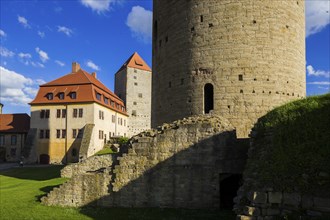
[74, 116]
[13, 132]
[133, 85]
[236, 59]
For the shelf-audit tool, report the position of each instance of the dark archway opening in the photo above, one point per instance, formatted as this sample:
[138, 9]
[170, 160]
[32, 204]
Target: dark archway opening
[44, 159]
[208, 98]
[228, 189]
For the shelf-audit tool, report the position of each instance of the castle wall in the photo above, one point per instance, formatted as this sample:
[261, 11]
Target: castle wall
[178, 165]
[252, 52]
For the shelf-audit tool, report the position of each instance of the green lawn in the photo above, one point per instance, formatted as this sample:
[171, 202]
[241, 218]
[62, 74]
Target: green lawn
[21, 189]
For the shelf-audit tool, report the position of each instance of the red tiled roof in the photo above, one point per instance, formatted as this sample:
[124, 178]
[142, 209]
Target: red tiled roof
[84, 84]
[14, 123]
[135, 61]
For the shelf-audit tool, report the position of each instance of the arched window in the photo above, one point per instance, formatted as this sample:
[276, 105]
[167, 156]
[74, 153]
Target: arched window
[208, 98]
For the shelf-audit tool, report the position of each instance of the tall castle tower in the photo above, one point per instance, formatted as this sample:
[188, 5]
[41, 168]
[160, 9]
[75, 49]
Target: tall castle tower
[234, 58]
[133, 86]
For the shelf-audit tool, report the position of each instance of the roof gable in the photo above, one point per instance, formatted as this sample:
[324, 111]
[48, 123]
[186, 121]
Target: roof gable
[135, 61]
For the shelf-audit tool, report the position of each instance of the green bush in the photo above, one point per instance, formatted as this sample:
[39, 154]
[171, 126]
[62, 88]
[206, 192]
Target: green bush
[123, 140]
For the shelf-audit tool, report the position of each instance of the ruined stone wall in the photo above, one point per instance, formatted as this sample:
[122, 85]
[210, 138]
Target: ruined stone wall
[251, 51]
[177, 165]
[91, 164]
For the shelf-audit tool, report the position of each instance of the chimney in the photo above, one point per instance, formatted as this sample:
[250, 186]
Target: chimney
[94, 74]
[75, 67]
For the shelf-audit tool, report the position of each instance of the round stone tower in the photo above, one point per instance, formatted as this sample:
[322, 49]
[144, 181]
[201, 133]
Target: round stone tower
[233, 58]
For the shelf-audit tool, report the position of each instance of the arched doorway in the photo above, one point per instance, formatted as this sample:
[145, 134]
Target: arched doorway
[44, 159]
[228, 189]
[208, 98]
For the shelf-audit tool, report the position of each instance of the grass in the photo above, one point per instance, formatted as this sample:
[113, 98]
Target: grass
[104, 151]
[298, 157]
[21, 189]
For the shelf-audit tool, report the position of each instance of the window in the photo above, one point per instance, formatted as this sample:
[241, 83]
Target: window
[13, 141]
[58, 113]
[58, 133]
[135, 84]
[98, 96]
[113, 119]
[49, 96]
[13, 152]
[112, 103]
[47, 113]
[80, 113]
[106, 100]
[140, 95]
[101, 115]
[134, 113]
[61, 95]
[135, 72]
[100, 134]
[124, 122]
[2, 140]
[208, 98]
[42, 113]
[41, 134]
[73, 95]
[134, 103]
[47, 133]
[63, 113]
[117, 105]
[63, 133]
[109, 134]
[74, 133]
[134, 77]
[240, 77]
[75, 113]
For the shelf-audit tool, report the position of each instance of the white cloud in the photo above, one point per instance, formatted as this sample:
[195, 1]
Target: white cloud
[65, 30]
[24, 55]
[324, 87]
[320, 83]
[4, 52]
[17, 89]
[2, 33]
[99, 6]
[317, 16]
[139, 20]
[60, 63]
[41, 34]
[37, 64]
[42, 55]
[92, 65]
[312, 72]
[23, 21]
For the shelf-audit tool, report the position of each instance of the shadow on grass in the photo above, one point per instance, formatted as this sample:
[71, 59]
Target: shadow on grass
[34, 173]
[156, 213]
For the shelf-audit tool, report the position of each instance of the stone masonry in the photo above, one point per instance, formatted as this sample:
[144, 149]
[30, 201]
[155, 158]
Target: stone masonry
[249, 53]
[176, 165]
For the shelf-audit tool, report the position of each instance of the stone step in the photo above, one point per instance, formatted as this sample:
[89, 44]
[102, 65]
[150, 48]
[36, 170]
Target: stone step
[245, 217]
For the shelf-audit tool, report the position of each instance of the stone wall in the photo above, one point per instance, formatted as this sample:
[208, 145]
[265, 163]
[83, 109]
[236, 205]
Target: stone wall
[252, 52]
[176, 165]
[91, 164]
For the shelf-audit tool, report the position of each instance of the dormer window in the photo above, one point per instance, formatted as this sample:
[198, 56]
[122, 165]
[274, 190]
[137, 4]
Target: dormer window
[106, 100]
[49, 96]
[73, 95]
[98, 96]
[61, 95]
[112, 103]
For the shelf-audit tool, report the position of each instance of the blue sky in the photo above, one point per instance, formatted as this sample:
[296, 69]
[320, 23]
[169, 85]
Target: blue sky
[40, 40]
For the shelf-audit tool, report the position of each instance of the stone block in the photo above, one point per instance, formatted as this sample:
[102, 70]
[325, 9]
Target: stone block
[258, 197]
[244, 217]
[321, 202]
[275, 197]
[273, 211]
[293, 199]
[313, 213]
[251, 211]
